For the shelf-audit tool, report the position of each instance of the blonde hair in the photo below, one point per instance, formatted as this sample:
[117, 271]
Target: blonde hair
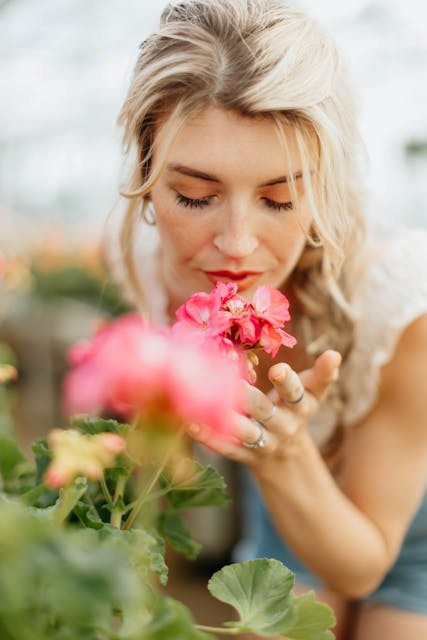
[259, 58]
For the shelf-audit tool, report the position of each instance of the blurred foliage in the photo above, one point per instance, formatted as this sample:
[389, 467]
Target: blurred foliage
[416, 147]
[73, 569]
[54, 270]
[78, 283]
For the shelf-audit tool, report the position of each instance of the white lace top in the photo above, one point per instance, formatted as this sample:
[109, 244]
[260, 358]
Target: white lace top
[391, 293]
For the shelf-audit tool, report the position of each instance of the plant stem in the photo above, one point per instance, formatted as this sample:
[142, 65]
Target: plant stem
[147, 489]
[106, 493]
[68, 497]
[117, 512]
[224, 630]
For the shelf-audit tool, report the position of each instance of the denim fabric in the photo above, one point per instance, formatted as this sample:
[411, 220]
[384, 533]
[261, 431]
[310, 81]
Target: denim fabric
[404, 587]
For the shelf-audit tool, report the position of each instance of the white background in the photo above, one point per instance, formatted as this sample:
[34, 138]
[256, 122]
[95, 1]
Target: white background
[64, 70]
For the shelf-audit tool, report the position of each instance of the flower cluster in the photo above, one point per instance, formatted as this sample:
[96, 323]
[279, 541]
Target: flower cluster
[230, 320]
[133, 369]
[77, 454]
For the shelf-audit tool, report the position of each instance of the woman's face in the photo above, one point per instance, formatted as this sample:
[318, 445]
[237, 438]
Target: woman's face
[223, 206]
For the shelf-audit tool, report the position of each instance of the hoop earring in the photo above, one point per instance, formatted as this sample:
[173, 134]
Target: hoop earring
[148, 214]
[314, 237]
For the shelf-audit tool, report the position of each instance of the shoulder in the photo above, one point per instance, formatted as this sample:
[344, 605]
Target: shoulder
[403, 379]
[390, 306]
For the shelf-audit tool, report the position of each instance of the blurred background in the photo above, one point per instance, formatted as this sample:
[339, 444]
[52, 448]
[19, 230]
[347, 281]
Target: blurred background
[64, 70]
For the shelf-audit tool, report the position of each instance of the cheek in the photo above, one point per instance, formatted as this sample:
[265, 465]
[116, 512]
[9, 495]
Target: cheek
[181, 235]
[288, 244]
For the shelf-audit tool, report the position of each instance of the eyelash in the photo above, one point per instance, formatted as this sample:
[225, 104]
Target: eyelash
[279, 206]
[196, 203]
[199, 203]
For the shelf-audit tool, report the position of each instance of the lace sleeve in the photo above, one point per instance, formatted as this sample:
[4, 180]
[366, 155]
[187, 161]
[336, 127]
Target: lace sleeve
[391, 295]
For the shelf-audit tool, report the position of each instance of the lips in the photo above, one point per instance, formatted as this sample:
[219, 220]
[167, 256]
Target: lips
[233, 275]
[243, 279]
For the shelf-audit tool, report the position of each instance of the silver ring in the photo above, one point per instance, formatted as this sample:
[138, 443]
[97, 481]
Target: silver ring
[298, 399]
[258, 444]
[273, 411]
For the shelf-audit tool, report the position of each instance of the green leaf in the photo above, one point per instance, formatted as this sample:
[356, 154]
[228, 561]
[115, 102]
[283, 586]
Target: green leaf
[172, 620]
[312, 619]
[93, 426]
[88, 515]
[43, 456]
[10, 458]
[61, 583]
[172, 527]
[206, 487]
[145, 550]
[261, 592]
[32, 496]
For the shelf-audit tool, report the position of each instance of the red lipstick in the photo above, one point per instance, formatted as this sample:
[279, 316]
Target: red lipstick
[233, 275]
[243, 279]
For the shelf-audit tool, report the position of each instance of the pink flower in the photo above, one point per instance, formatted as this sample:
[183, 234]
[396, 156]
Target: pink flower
[271, 305]
[230, 319]
[223, 291]
[202, 312]
[77, 454]
[241, 314]
[133, 369]
[272, 338]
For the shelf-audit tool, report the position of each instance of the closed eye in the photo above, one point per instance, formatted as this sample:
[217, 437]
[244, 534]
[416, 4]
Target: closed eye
[192, 203]
[278, 206]
[198, 203]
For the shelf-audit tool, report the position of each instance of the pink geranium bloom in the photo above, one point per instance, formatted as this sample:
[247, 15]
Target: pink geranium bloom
[223, 291]
[112, 368]
[205, 385]
[271, 305]
[241, 313]
[202, 312]
[134, 369]
[272, 338]
[235, 323]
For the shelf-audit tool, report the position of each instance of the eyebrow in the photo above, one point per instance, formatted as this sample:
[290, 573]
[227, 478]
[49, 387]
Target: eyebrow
[194, 173]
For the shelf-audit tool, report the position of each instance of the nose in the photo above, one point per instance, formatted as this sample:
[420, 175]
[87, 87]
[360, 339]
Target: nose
[237, 237]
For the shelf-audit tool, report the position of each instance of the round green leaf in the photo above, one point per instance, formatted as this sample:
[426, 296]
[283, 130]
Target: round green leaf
[260, 591]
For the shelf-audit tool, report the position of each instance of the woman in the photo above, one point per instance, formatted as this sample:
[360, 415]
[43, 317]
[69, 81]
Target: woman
[246, 170]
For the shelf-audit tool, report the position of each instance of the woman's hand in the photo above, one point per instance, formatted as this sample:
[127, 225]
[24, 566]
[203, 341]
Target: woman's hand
[273, 419]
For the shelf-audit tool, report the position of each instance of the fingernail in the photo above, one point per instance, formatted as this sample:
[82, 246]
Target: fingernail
[194, 428]
[282, 373]
[335, 374]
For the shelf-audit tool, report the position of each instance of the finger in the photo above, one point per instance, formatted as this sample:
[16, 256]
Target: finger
[322, 374]
[205, 436]
[290, 389]
[258, 404]
[233, 448]
[278, 420]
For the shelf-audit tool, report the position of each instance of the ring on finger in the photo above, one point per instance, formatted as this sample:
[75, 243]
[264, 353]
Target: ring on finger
[273, 411]
[262, 437]
[300, 397]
